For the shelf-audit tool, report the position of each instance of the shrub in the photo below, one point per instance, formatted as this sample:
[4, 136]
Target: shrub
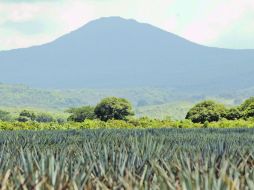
[23, 119]
[5, 116]
[60, 120]
[44, 118]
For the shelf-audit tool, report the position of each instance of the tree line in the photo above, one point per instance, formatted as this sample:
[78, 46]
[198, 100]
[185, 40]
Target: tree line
[108, 109]
[211, 111]
[113, 108]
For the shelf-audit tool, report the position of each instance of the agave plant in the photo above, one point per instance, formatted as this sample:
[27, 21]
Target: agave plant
[200, 159]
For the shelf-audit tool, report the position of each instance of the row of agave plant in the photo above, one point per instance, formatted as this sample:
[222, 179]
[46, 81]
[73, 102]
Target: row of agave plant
[128, 159]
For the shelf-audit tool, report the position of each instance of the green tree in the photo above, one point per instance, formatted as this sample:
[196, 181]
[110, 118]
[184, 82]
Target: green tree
[233, 114]
[206, 111]
[247, 108]
[5, 116]
[81, 114]
[246, 104]
[249, 111]
[113, 108]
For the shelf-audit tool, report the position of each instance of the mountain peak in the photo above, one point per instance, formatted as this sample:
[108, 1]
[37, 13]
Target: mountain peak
[112, 30]
[117, 52]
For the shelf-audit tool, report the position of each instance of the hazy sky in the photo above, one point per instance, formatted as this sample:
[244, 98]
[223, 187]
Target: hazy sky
[221, 23]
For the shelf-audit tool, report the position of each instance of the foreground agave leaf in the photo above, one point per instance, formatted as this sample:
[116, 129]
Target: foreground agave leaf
[198, 159]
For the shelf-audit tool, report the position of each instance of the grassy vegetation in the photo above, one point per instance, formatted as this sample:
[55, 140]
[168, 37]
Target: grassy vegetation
[128, 159]
[141, 123]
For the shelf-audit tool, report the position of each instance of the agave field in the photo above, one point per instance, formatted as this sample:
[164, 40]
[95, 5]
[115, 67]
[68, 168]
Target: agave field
[181, 159]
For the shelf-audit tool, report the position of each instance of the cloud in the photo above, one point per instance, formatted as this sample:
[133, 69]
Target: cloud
[29, 1]
[210, 22]
[217, 21]
[24, 23]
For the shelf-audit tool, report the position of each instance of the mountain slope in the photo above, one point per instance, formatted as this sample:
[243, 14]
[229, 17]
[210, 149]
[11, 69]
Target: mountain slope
[114, 52]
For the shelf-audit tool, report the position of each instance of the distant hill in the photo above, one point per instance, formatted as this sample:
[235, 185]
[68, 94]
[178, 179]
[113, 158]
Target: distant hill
[24, 96]
[117, 53]
[147, 101]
